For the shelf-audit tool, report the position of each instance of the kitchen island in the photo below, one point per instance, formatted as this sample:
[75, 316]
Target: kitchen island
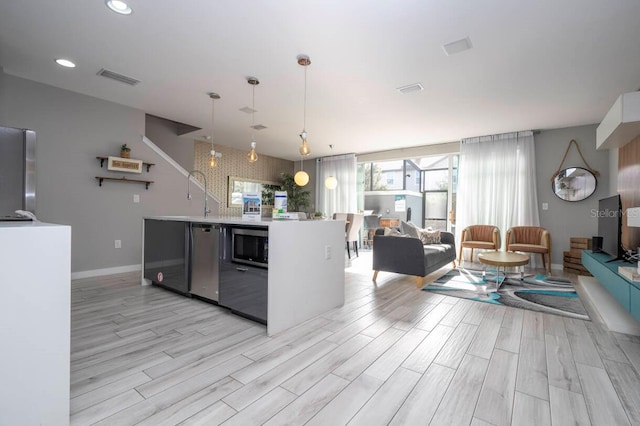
[35, 310]
[305, 272]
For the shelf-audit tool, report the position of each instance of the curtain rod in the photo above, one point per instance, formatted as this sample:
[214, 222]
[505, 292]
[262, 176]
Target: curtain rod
[336, 157]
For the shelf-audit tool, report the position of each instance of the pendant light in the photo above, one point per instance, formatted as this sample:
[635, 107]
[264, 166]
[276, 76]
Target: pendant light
[301, 178]
[331, 182]
[252, 156]
[304, 148]
[213, 158]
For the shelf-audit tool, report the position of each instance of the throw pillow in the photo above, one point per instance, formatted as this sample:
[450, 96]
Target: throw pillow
[430, 237]
[392, 231]
[410, 229]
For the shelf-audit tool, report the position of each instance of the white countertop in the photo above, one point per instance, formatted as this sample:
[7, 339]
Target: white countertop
[25, 224]
[232, 220]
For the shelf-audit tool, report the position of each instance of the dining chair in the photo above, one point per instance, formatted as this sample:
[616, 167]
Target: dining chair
[353, 231]
[371, 223]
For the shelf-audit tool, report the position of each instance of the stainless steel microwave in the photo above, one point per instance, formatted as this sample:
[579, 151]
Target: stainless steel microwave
[250, 246]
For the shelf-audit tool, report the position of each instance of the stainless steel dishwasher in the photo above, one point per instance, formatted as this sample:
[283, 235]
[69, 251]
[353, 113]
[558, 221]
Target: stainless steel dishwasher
[205, 262]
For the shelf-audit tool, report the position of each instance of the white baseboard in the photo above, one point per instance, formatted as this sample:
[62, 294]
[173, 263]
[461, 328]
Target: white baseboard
[106, 271]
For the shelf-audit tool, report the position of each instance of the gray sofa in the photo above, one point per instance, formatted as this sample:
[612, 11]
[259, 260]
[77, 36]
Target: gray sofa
[407, 255]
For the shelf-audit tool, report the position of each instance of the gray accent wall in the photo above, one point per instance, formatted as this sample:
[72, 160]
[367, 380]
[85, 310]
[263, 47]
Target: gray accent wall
[613, 171]
[566, 219]
[72, 129]
[164, 133]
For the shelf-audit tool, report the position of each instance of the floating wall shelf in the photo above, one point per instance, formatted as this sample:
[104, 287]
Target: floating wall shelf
[124, 179]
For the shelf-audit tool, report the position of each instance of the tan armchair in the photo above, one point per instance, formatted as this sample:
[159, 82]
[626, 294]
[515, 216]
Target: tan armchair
[479, 236]
[530, 239]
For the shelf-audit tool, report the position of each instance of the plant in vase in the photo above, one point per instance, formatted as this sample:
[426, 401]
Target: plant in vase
[125, 151]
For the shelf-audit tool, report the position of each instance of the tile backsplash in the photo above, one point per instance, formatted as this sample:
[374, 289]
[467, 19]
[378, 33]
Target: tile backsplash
[234, 163]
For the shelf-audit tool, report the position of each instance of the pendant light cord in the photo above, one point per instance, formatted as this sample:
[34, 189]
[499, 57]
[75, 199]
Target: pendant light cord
[304, 118]
[253, 113]
[213, 119]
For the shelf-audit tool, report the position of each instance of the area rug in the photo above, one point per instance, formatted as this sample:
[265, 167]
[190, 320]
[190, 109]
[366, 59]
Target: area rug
[542, 293]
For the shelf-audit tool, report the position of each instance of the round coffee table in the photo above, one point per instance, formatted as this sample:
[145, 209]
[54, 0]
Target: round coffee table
[503, 259]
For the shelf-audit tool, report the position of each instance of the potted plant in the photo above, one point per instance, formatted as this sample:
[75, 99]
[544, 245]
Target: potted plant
[318, 215]
[125, 151]
[268, 194]
[297, 197]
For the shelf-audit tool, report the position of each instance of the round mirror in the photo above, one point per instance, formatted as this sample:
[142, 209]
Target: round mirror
[574, 184]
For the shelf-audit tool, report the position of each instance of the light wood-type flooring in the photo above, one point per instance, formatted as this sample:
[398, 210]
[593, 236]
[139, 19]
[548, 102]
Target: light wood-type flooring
[391, 355]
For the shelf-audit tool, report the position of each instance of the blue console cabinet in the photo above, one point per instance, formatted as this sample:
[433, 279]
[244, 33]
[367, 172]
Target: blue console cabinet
[625, 291]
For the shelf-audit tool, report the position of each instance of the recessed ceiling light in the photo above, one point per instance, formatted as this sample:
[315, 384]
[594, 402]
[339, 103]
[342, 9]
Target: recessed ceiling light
[65, 63]
[118, 6]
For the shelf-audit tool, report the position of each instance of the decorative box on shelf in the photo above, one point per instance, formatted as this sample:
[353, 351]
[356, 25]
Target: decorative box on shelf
[629, 272]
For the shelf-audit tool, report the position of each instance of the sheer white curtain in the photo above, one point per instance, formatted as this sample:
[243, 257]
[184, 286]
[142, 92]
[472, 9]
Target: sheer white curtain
[497, 182]
[344, 198]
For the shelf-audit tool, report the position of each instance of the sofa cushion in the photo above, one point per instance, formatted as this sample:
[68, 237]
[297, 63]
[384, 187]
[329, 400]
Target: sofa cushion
[409, 229]
[428, 236]
[532, 248]
[437, 254]
[479, 244]
[393, 232]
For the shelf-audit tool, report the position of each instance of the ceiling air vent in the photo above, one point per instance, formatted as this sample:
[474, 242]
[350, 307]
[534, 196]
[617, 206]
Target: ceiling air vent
[411, 88]
[258, 127]
[457, 46]
[118, 77]
[248, 110]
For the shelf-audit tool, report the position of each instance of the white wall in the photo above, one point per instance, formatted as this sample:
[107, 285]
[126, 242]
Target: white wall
[72, 129]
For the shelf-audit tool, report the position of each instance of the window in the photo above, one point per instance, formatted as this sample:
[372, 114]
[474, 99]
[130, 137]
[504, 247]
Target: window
[392, 175]
[435, 177]
[439, 185]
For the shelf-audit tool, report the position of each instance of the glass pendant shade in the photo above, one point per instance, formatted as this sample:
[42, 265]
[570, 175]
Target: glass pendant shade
[213, 157]
[304, 148]
[252, 156]
[331, 182]
[301, 178]
[213, 161]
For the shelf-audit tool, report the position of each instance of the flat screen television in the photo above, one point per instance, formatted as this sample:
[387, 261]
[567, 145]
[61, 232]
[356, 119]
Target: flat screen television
[610, 225]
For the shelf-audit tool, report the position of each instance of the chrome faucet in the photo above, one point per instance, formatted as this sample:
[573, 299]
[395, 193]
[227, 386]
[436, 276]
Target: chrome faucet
[191, 173]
